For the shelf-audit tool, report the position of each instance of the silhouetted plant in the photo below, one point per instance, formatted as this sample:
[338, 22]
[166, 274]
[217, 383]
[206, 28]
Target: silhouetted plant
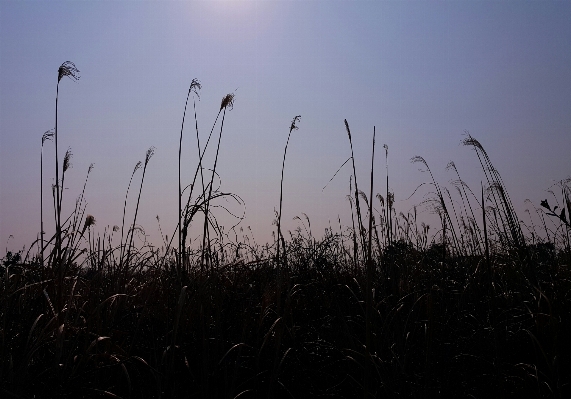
[499, 195]
[360, 227]
[48, 135]
[562, 213]
[148, 156]
[440, 207]
[194, 87]
[66, 69]
[227, 101]
[292, 127]
[121, 246]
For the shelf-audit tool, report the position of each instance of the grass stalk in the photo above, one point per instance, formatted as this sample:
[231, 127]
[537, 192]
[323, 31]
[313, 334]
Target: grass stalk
[441, 206]
[486, 247]
[48, 135]
[389, 221]
[500, 196]
[369, 278]
[66, 69]
[357, 205]
[121, 245]
[227, 101]
[194, 86]
[292, 127]
[148, 157]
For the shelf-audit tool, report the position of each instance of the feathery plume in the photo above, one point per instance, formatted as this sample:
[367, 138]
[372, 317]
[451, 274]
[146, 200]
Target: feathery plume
[68, 69]
[150, 153]
[227, 101]
[48, 135]
[195, 85]
[67, 160]
[293, 123]
[89, 221]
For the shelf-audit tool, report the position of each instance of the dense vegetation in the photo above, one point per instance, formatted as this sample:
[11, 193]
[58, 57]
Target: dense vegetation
[384, 308]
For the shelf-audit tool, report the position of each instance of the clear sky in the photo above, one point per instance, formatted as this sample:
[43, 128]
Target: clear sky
[421, 72]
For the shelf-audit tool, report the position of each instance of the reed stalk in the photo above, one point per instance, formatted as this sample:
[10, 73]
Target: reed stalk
[389, 221]
[121, 246]
[514, 237]
[66, 69]
[292, 127]
[357, 205]
[48, 135]
[194, 86]
[150, 153]
[227, 101]
[369, 278]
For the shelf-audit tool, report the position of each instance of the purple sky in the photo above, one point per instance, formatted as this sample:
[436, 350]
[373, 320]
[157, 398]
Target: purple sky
[421, 72]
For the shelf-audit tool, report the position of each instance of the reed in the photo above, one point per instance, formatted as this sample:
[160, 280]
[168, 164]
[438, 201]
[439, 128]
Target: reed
[135, 321]
[121, 246]
[360, 227]
[66, 69]
[511, 231]
[193, 88]
[48, 135]
[148, 156]
[293, 126]
[369, 278]
[227, 101]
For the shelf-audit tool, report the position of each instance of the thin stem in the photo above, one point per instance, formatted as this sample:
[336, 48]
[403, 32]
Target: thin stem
[58, 222]
[369, 279]
[280, 235]
[179, 255]
[150, 153]
[359, 219]
[208, 198]
[137, 166]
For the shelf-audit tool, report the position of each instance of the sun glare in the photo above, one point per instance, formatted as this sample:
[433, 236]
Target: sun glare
[238, 19]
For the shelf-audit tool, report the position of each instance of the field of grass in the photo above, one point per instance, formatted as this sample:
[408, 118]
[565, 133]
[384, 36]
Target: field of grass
[384, 308]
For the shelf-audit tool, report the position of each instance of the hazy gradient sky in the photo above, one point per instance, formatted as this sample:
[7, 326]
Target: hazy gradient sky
[421, 72]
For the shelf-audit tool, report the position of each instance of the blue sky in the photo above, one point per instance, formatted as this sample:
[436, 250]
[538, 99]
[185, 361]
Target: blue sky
[421, 72]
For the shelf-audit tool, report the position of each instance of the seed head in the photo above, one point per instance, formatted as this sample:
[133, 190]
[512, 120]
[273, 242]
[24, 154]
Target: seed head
[48, 135]
[68, 69]
[195, 86]
[150, 153]
[390, 199]
[451, 165]
[293, 123]
[227, 101]
[67, 159]
[347, 128]
[89, 221]
[420, 159]
[472, 142]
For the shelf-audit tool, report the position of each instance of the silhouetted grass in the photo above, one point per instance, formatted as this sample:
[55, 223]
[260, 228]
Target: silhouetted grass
[470, 310]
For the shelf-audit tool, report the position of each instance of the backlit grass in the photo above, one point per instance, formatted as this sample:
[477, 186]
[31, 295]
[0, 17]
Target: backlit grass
[479, 308]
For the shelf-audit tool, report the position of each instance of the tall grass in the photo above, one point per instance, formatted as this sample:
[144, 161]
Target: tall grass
[469, 309]
[66, 69]
[292, 127]
[194, 87]
[227, 101]
[48, 135]
[148, 156]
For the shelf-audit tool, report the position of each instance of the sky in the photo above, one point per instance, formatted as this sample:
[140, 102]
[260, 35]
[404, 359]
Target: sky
[419, 73]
